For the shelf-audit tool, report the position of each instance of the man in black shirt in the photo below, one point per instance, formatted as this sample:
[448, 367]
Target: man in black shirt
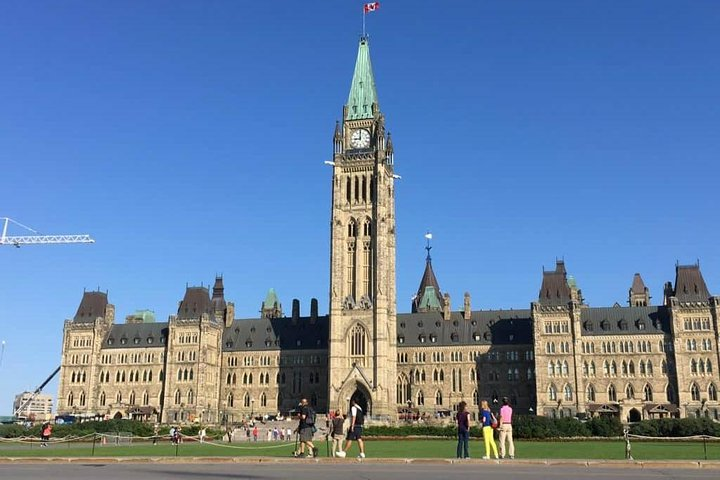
[357, 420]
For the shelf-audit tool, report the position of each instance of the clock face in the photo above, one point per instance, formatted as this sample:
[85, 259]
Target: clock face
[360, 139]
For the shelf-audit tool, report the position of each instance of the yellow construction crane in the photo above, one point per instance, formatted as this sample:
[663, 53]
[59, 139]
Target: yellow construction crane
[37, 238]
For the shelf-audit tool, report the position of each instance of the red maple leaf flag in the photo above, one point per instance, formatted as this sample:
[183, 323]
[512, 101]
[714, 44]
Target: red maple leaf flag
[371, 7]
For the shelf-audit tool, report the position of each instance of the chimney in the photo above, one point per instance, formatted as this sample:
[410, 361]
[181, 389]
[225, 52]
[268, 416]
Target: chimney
[446, 306]
[229, 314]
[467, 313]
[313, 311]
[295, 311]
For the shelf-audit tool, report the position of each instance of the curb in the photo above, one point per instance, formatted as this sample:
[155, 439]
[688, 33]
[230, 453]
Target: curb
[591, 464]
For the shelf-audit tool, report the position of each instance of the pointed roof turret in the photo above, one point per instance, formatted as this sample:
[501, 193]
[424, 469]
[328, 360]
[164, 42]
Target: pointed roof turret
[271, 307]
[429, 297]
[362, 90]
[639, 295]
[555, 289]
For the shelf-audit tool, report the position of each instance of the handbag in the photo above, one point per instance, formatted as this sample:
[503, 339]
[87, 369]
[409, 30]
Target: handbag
[494, 422]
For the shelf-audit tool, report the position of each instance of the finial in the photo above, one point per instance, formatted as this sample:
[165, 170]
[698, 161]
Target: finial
[428, 237]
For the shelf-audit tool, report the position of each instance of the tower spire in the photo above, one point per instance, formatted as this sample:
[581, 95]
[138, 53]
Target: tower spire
[362, 101]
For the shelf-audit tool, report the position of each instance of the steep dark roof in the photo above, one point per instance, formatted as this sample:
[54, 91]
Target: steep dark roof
[428, 280]
[91, 306]
[195, 303]
[638, 286]
[497, 327]
[276, 333]
[690, 284]
[555, 289]
[624, 320]
[136, 335]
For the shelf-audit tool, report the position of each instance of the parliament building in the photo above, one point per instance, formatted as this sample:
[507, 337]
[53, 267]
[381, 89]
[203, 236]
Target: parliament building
[559, 357]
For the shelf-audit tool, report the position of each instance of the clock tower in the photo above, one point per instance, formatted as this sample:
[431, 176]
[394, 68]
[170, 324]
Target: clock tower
[362, 344]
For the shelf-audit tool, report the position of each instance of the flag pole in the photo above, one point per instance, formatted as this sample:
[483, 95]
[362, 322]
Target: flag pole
[363, 21]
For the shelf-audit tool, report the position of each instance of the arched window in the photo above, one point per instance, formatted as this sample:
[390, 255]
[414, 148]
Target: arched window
[670, 393]
[438, 398]
[565, 369]
[551, 368]
[567, 391]
[623, 369]
[712, 393]
[552, 392]
[629, 392]
[420, 399]
[178, 397]
[246, 399]
[103, 399]
[592, 368]
[695, 392]
[647, 393]
[613, 368]
[708, 368]
[612, 393]
[82, 399]
[590, 393]
[357, 341]
[131, 399]
[263, 400]
[191, 374]
[606, 368]
[476, 400]
[230, 400]
[145, 399]
[693, 366]
[118, 397]
[649, 368]
[190, 397]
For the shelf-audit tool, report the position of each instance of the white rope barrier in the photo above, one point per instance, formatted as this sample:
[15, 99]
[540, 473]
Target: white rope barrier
[670, 439]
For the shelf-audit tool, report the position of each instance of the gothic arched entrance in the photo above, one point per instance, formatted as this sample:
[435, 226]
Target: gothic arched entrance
[634, 415]
[361, 395]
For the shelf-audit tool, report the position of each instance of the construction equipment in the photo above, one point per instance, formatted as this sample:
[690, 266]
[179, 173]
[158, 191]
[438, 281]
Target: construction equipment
[37, 238]
[35, 393]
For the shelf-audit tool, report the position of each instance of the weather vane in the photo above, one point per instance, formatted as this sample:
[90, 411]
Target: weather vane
[428, 237]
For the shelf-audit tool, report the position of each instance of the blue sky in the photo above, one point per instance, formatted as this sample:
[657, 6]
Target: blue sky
[189, 137]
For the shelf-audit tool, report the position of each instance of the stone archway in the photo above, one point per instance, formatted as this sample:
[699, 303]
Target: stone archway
[118, 416]
[634, 415]
[355, 390]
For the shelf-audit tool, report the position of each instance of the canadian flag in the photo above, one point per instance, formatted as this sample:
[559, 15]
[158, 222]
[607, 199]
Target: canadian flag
[371, 7]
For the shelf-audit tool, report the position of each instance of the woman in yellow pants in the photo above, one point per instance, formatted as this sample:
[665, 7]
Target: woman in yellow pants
[487, 430]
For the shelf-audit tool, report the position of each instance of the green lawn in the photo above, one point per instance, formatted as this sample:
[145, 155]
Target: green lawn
[590, 450]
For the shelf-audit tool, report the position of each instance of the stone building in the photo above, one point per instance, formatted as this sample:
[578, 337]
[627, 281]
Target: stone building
[559, 357]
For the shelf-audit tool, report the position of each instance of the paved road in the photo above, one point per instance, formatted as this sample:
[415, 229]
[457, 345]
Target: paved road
[349, 471]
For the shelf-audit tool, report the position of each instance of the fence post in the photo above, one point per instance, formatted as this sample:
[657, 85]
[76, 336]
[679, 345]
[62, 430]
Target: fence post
[93, 449]
[705, 445]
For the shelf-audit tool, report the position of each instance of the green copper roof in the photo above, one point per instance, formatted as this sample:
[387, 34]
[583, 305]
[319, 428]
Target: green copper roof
[271, 300]
[146, 316]
[429, 300]
[362, 91]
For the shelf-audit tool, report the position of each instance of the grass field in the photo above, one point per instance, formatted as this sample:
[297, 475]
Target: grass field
[589, 450]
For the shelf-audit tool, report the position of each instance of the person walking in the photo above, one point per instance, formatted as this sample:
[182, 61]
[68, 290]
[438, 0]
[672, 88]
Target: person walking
[463, 425]
[202, 434]
[488, 420]
[255, 433]
[306, 429]
[505, 427]
[357, 420]
[45, 433]
[337, 433]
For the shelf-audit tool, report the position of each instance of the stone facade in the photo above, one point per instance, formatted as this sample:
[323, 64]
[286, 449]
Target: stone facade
[559, 357]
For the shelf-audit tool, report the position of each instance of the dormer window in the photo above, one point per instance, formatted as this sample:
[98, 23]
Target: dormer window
[123, 341]
[421, 338]
[229, 344]
[455, 337]
[476, 336]
[401, 339]
[110, 341]
[605, 325]
[150, 340]
[623, 324]
[136, 340]
[433, 338]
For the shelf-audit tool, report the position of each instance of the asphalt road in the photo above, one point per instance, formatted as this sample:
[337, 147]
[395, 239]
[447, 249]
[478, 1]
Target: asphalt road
[349, 471]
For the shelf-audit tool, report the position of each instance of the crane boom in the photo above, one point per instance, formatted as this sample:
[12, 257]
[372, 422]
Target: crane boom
[36, 392]
[38, 239]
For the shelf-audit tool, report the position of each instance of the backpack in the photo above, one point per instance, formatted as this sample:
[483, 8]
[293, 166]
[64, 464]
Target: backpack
[310, 417]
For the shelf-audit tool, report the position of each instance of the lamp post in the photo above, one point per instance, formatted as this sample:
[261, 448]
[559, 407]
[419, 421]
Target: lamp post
[252, 408]
[409, 415]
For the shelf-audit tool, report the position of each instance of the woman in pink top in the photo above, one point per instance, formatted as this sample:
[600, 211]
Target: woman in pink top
[505, 428]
